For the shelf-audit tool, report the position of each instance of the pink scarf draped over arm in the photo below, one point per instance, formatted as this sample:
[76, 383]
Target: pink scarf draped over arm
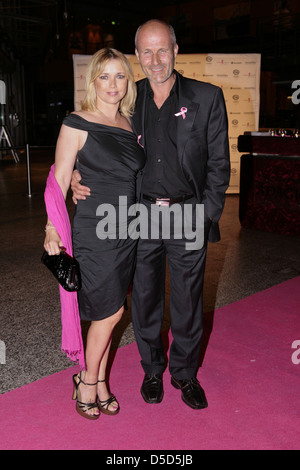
[71, 341]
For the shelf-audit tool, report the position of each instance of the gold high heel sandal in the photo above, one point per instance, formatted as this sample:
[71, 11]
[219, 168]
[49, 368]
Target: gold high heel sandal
[83, 408]
[104, 404]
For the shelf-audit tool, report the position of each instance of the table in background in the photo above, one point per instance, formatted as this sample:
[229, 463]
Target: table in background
[270, 183]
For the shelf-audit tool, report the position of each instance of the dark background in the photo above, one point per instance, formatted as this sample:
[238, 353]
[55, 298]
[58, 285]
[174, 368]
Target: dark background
[38, 38]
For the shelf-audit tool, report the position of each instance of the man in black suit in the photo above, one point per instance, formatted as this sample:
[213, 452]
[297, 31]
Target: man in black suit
[182, 125]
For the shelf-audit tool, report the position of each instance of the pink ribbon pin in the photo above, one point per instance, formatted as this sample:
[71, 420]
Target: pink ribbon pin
[138, 141]
[182, 112]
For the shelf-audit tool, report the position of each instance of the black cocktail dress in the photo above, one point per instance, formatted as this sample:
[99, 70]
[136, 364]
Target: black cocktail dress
[108, 163]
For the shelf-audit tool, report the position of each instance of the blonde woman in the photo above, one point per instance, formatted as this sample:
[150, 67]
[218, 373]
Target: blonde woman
[100, 143]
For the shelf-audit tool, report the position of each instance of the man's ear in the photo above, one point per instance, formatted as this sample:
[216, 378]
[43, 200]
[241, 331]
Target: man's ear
[176, 48]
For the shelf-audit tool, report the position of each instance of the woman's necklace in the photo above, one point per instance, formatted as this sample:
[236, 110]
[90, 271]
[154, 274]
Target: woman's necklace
[113, 121]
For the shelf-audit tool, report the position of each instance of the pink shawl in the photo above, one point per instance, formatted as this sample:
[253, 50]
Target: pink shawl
[71, 342]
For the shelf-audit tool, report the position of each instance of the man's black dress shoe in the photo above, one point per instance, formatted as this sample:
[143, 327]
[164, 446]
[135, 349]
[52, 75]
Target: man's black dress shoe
[152, 389]
[191, 393]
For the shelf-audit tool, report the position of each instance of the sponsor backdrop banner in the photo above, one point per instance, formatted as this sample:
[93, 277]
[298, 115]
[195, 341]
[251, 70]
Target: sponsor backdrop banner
[237, 74]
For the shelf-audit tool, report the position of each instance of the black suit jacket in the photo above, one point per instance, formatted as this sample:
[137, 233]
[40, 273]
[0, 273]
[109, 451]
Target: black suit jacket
[202, 143]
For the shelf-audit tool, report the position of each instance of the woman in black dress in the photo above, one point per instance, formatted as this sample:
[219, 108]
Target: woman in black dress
[100, 142]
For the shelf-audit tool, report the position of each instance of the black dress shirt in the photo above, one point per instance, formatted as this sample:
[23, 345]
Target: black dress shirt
[162, 174]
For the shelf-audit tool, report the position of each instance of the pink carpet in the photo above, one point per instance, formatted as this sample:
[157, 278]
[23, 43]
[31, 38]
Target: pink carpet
[252, 386]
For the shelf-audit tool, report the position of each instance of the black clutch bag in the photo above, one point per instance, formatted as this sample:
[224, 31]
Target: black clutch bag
[65, 269]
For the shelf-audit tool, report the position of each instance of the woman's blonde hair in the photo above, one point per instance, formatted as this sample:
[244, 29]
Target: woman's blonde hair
[96, 67]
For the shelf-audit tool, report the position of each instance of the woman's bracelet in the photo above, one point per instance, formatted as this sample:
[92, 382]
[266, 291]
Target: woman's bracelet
[49, 227]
